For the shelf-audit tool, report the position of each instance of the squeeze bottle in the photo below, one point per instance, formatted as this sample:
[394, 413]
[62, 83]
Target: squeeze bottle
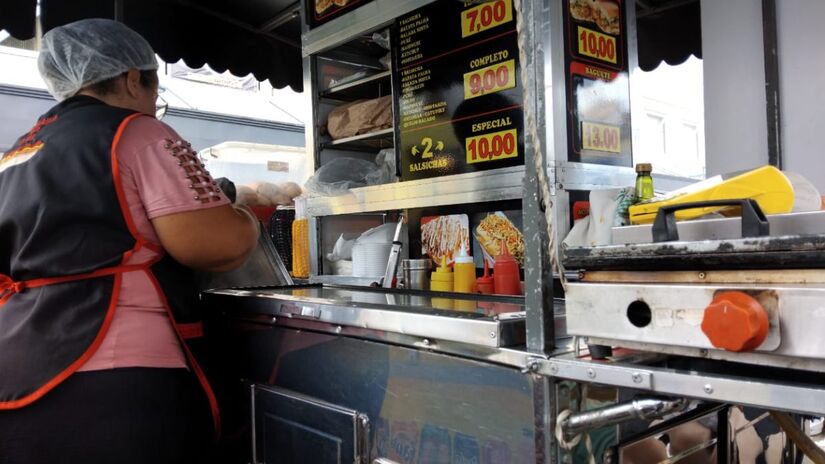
[464, 272]
[507, 280]
[484, 284]
[442, 279]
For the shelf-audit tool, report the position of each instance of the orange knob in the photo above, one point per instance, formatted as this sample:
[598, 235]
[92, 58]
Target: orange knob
[735, 321]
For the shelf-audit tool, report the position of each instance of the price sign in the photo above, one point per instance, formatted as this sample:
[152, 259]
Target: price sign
[485, 16]
[601, 137]
[492, 147]
[491, 79]
[597, 45]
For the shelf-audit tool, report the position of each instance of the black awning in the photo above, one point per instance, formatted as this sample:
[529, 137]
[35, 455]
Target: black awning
[17, 18]
[669, 31]
[226, 35]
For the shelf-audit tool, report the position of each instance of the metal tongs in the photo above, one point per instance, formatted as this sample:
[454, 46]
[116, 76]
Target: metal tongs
[392, 262]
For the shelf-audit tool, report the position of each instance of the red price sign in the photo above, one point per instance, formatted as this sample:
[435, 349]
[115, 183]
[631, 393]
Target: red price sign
[491, 79]
[597, 45]
[491, 147]
[601, 137]
[485, 16]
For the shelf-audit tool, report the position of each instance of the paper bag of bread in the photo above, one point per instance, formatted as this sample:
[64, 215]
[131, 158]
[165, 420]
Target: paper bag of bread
[360, 117]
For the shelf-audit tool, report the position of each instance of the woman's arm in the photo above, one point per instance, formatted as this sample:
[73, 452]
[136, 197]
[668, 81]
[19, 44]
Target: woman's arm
[214, 239]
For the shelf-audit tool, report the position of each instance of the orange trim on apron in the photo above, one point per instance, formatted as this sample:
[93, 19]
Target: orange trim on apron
[210, 395]
[183, 331]
[9, 288]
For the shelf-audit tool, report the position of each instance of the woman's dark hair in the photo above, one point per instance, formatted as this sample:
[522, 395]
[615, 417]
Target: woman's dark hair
[147, 79]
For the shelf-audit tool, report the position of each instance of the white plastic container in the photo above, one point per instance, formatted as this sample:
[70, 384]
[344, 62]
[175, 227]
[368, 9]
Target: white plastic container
[370, 259]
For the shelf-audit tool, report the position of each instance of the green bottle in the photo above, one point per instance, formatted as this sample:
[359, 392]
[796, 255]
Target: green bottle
[644, 183]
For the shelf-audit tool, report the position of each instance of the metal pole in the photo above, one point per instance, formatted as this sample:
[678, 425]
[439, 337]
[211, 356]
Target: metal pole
[119, 6]
[723, 436]
[543, 417]
[312, 156]
[770, 44]
[538, 278]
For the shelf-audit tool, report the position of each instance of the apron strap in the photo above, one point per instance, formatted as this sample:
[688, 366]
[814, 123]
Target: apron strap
[9, 287]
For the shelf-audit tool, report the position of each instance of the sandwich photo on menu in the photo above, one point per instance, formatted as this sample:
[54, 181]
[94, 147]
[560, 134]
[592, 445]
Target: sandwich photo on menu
[443, 236]
[607, 16]
[604, 13]
[581, 10]
[322, 6]
[492, 228]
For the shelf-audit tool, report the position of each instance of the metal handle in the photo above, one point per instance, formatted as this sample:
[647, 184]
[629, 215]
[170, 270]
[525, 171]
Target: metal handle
[392, 262]
[303, 311]
[640, 408]
[754, 222]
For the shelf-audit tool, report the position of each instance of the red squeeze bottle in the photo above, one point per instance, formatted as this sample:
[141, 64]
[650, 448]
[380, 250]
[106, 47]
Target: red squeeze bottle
[507, 280]
[484, 284]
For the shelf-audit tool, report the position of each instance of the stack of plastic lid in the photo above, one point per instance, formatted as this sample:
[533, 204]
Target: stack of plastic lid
[280, 231]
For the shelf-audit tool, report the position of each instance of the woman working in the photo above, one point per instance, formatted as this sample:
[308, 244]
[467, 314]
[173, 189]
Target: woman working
[104, 212]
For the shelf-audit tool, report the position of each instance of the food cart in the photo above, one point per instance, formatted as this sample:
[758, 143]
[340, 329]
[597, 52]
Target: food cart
[487, 119]
[334, 370]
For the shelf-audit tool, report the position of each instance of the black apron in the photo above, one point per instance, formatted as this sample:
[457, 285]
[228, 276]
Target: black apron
[65, 234]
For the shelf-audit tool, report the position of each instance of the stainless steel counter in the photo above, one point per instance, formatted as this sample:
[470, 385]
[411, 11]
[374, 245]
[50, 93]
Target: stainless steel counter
[491, 321]
[493, 332]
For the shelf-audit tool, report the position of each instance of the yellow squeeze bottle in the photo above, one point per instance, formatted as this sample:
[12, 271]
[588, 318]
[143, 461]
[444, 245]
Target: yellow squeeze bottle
[464, 277]
[464, 272]
[442, 281]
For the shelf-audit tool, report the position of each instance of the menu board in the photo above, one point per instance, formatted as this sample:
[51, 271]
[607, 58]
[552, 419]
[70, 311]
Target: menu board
[460, 105]
[321, 11]
[598, 89]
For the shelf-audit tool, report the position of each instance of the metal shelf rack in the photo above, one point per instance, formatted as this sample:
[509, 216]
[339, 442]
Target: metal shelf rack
[361, 88]
[374, 140]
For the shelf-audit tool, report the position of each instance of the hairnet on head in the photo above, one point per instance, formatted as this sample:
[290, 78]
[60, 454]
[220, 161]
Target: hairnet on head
[86, 52]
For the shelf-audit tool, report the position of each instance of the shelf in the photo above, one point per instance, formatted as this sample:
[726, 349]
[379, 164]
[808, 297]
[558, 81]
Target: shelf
[494, 185]
[364, 19]
[374, 140]
[366, 87]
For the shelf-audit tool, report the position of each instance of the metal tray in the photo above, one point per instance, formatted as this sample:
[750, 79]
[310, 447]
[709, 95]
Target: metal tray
[810, 223]
[795, 251]
[491, 321]
[795, 240]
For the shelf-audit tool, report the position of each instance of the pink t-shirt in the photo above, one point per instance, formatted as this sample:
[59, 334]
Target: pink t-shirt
[159, 177]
